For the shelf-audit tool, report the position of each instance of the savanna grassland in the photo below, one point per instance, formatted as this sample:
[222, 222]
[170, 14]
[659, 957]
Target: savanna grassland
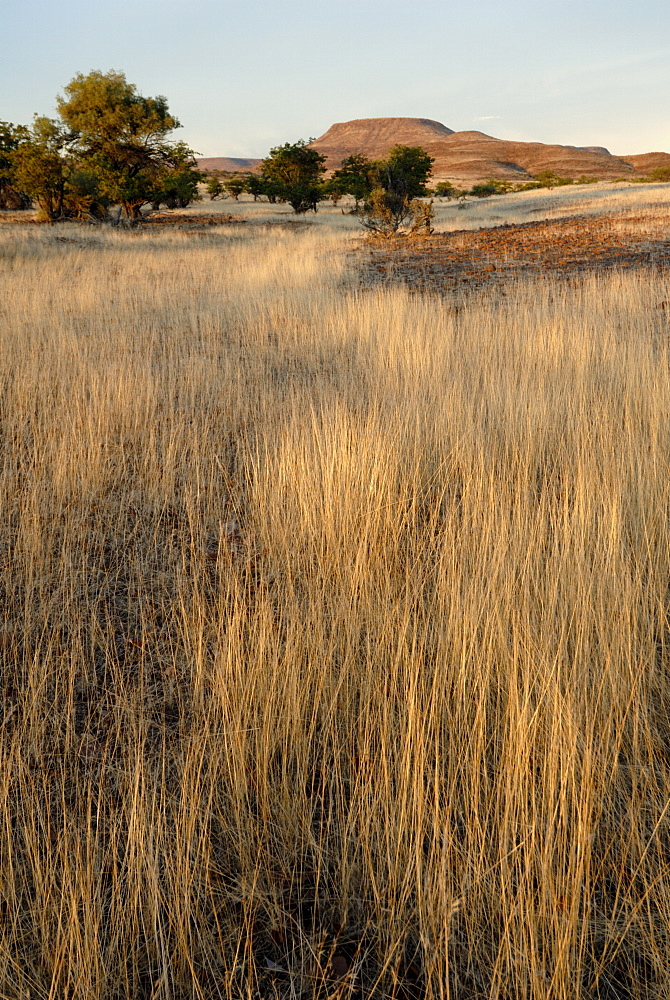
[333, 623]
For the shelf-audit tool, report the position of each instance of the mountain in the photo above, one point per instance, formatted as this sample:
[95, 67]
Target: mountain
[227, 164]
[468, 156]
[463, 157]
[375, 136]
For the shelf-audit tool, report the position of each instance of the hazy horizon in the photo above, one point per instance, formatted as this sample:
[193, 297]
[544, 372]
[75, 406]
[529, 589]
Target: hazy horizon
[244, 78]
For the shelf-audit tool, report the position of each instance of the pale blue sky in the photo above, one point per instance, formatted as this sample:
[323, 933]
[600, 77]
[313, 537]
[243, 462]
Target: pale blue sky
[245, 75]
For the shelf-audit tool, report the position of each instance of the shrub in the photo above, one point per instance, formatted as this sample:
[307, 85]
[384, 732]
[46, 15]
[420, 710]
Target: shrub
[550, 179]
[393, 203]
[660, 174]
[445, 189]
[483, 190]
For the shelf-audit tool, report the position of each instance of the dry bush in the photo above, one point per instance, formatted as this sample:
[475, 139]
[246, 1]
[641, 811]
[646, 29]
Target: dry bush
[334, 628]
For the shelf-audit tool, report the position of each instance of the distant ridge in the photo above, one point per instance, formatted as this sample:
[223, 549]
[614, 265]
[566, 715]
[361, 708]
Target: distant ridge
[227, 164]
[463, 157]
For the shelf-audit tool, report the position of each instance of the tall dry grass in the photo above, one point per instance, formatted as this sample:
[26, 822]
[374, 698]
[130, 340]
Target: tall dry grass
[334, 628]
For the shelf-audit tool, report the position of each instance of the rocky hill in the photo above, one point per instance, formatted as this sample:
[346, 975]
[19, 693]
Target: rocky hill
[375, 136]
[464, 158]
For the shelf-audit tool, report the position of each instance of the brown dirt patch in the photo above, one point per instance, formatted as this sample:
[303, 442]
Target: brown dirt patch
[181, 221]
[489, 257]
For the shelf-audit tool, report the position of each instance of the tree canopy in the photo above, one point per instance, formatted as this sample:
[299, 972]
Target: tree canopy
[10, 137]
[294, 171]
[107, 145]
[356, 176]
[122, 136]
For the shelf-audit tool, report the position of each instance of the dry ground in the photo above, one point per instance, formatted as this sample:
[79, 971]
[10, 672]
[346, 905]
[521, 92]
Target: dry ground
[557, 248]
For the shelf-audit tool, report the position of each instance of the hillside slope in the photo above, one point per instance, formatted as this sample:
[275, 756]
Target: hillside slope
[463, 157]
[468, 156]
[228, 164]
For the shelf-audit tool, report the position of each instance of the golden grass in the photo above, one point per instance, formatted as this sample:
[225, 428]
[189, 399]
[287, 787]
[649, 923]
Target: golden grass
[334, 627]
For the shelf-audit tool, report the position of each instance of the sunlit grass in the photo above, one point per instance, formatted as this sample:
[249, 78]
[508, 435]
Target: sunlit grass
[334, 627]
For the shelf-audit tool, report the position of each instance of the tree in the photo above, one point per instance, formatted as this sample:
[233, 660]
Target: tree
[294, 171]
[214, 187]
[445, 189]
[177, 182]
[10, 137]
[235, 185]
[405, 171]
[398, 184]
[332, 190]
[40, 167]
[356, 177]
[121, 136]
[46, 168]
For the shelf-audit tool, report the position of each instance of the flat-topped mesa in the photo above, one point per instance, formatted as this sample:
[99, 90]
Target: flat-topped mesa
[464, 158]
[470, 155]
[375, 136]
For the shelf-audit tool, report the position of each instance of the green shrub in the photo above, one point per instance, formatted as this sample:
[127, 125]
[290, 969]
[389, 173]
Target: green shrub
[550, 179]
[483, 190]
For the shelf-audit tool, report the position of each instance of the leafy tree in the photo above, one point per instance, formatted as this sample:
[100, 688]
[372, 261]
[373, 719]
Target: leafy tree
[332, 190]
[214, 187]
[10, 137]
[356, 177]
[177, 182]
[40, 167]
[256, 186]
[294, 171]
[399, 182]
[121, 136]
[405, 171]
[235, 185]
[45, 166]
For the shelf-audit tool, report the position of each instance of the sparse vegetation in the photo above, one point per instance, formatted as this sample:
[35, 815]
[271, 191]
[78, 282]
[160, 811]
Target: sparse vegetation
[659, 175]
[550, 179]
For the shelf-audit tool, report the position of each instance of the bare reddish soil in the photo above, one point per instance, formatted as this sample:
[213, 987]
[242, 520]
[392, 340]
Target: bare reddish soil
[489, 257]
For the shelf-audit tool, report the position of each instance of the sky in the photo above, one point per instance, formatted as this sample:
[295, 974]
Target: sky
[247, 75]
